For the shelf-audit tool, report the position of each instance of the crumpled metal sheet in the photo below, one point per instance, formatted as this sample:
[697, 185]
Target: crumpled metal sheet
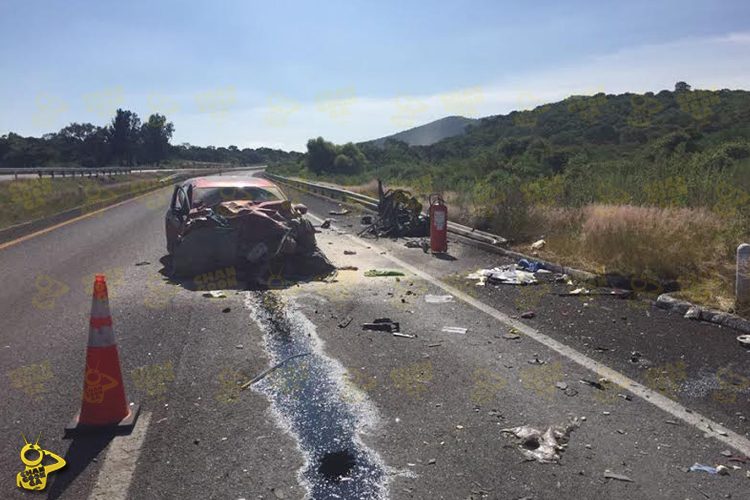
[543, 446]
[235, 231]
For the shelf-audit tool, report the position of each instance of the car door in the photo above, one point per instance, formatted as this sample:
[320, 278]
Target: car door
[176, 216]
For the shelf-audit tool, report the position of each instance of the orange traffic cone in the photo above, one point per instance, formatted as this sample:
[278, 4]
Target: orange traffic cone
[104, 407]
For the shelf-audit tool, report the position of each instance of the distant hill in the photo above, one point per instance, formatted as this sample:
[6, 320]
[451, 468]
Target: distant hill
[430, 133]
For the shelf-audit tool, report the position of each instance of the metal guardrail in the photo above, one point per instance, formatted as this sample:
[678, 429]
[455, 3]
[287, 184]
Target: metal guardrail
[372, 204]
[110, 171]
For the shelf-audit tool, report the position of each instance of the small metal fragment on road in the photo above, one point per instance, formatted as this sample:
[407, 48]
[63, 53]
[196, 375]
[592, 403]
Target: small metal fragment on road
[345, 322]
[382, 325]
[619, 477]
[398, 334]
[438, 299]
[454, 329]
[570, 392]
[434, 345]
[239, 346]
[511, 335]
[528, 314]
[376, 273]
[347, 268]
[343, 211]
[350, 252]
[264, 373]
[143, 263]
[592, 384]
[431, 461]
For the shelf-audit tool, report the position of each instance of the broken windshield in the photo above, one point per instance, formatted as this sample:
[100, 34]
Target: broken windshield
[215, 195]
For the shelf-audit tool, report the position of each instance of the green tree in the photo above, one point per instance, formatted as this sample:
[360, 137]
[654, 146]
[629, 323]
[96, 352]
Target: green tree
[155, 136]
[124, 135]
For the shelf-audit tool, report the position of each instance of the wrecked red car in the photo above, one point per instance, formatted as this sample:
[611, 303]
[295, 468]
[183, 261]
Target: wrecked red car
[248, 222]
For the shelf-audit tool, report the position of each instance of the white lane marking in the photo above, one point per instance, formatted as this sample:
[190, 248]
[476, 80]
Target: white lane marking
[708, 426]
[117, 470]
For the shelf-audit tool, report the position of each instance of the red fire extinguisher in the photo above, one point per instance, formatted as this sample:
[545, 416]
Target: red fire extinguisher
[438, 224]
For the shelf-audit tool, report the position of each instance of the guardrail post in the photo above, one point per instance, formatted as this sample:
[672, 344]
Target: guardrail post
[742, 284]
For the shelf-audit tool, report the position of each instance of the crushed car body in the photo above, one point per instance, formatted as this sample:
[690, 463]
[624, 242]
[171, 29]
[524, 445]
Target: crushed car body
[248, 222]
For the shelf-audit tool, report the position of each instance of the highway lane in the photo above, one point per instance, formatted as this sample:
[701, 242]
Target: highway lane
[430, 408]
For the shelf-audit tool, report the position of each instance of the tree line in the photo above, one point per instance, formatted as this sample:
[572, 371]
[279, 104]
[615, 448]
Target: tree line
[125, 141]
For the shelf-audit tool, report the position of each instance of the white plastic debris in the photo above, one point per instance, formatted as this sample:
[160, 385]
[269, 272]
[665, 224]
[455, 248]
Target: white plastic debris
[438, 299]
[215, 294]
[503, 275]
[538, 245]
[454, 329]
[544, 447]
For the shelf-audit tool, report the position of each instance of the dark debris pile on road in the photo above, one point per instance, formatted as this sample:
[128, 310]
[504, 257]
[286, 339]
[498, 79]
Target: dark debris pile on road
[399, 214]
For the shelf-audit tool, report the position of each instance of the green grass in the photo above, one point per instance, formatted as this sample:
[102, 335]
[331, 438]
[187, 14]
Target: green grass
[29, 199]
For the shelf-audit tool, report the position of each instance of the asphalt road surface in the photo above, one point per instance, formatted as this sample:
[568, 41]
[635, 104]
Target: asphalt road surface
[359, 414]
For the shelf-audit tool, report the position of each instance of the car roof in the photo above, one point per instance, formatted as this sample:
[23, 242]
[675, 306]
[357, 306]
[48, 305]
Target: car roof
[220, 181]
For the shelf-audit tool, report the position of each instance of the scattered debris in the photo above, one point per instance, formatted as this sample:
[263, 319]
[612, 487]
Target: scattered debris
[438, 299]
[696, 467]
[538, 245]
[325, 224]
[398, 334]
[382, 325]
[536, 360]
[343, 211]
[215, 294]
[561, 385]
[528, 314]
[531, 266]
[593, 384]
[544, 447]
[619, 477]
[372, 273]
[511, 335]
[399, 214]
[226, 310]
[503, 275]
[278, 365]
[366, 220]
[423, 244]
[345, 322]
[454, 329]
[347, 268]
[143, 263]
[434, 345]
[350, 252]
[570, 392]
[239, 346]
[744, 341]
[722, 470]
[693, 313]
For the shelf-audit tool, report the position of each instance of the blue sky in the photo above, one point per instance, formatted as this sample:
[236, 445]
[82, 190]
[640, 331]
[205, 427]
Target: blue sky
[276, 73]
